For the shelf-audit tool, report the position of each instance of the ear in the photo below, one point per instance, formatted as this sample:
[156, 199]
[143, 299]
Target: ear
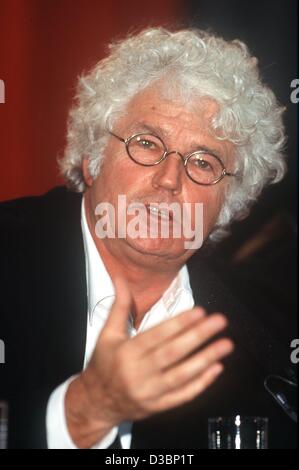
[86, 175]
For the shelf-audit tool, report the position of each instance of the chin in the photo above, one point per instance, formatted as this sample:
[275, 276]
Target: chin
[158, 247]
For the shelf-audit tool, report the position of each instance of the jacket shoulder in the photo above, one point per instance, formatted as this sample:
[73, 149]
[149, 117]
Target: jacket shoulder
[26, 211]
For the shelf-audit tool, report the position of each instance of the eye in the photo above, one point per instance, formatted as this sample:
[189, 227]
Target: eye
[202, 164]
[146, 144]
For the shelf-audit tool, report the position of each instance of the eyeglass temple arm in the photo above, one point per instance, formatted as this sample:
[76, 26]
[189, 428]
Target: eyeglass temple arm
[117, 136]
[227, 173]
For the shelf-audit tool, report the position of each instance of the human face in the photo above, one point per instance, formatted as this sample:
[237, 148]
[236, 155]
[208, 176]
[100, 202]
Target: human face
[182, 128]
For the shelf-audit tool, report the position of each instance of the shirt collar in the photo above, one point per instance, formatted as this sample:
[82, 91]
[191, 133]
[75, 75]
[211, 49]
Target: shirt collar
[99, 284]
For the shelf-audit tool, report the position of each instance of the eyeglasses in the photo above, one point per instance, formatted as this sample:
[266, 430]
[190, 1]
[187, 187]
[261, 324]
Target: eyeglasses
[202, 166]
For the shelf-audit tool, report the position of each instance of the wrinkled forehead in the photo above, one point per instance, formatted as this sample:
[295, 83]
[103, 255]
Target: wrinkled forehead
[157, 102]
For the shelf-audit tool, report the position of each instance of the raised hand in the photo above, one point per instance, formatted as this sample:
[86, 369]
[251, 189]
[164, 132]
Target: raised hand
[132, 378]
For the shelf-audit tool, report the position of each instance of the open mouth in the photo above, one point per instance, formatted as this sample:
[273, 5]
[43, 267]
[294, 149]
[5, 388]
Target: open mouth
[159, 212]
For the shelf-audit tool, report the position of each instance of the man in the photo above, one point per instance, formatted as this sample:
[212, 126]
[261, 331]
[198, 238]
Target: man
[104, 344]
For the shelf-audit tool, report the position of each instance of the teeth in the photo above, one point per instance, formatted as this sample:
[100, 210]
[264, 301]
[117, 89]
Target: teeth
[155, 211]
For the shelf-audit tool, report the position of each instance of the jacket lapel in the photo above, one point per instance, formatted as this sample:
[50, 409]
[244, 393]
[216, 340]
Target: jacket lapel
[65, 295]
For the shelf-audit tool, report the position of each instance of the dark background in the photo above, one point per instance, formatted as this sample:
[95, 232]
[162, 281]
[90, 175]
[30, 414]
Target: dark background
[45, 44]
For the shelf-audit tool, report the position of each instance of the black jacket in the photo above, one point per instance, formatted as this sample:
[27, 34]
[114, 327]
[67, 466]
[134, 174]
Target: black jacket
[43, 308]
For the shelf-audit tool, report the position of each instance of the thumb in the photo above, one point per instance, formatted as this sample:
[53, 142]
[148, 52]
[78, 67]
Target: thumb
[120, 310]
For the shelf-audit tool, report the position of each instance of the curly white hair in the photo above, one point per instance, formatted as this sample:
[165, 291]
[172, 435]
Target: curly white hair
[200, 64]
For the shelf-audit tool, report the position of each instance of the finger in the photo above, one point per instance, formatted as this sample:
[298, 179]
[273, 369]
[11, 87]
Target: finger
[182, 345]
[120, 310]
[194, 366]
[190, 390]
[157, 335]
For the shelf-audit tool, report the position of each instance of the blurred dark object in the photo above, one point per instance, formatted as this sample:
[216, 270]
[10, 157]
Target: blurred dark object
[262, 272]
[284, 392]
[280, 228]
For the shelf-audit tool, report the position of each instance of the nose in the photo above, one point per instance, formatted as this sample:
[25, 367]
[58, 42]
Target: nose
[168, 174]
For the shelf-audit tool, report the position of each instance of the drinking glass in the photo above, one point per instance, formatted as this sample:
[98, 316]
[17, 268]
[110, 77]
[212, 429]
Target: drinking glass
[238, 432]
[3, 424]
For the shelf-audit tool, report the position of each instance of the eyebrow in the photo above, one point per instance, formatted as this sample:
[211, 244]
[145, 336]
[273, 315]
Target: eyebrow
[141, 126]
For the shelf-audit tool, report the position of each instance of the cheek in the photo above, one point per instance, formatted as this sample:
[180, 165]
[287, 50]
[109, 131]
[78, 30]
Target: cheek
[212, 203]
[119, 176]
[212, 209]
[110, 174]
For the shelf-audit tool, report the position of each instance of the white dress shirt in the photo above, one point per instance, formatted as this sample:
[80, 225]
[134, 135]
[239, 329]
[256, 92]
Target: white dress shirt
[100, 291]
